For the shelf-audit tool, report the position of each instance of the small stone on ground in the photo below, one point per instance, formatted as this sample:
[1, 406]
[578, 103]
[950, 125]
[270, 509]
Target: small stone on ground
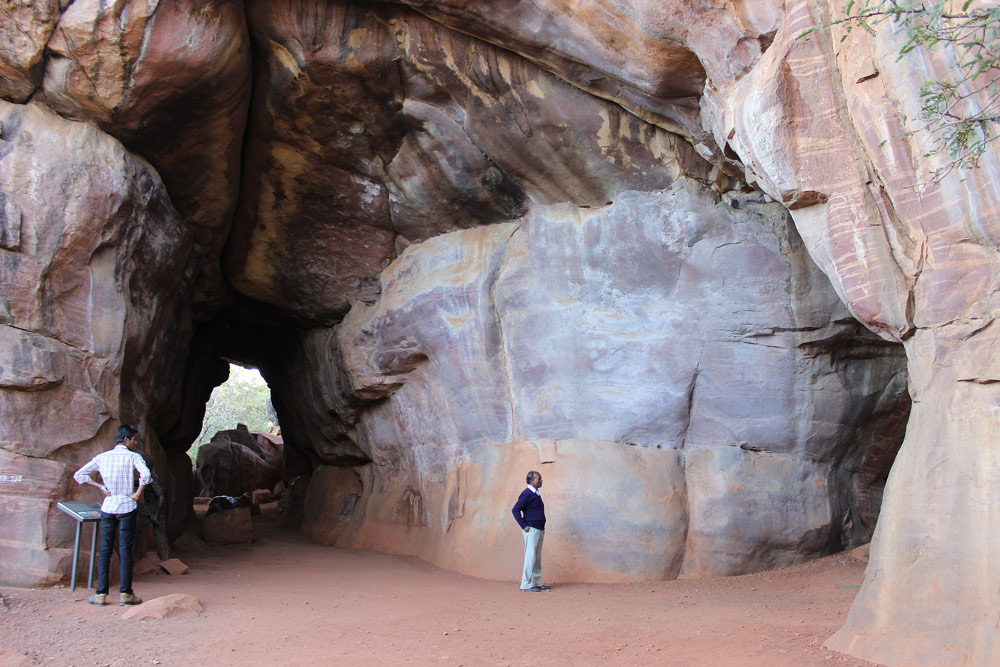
[177, 605]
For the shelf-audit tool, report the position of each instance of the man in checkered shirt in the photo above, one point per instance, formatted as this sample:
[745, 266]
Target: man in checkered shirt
[118, 512]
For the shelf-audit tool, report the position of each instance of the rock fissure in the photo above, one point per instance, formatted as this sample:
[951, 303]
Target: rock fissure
[21, 454]
[502, 349]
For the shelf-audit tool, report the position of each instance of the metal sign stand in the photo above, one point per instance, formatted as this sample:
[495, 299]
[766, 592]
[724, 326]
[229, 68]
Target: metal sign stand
[83, 513]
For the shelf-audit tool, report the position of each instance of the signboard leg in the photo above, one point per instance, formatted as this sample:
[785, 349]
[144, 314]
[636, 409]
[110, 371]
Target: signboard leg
[82, 513]
[76, 556]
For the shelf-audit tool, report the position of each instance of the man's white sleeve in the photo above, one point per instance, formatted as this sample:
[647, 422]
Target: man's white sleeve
[82, 476]
[144, 474]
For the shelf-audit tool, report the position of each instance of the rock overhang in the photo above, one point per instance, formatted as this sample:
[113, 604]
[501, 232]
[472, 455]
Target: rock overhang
[370, 130]
[372, 137]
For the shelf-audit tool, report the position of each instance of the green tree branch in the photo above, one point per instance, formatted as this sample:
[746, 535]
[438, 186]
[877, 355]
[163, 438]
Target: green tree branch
[960, 113]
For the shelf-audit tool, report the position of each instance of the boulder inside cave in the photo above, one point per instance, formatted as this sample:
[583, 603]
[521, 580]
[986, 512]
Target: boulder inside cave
[229, 457]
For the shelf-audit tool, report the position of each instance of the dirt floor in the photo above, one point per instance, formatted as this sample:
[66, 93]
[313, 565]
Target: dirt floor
[285, 601]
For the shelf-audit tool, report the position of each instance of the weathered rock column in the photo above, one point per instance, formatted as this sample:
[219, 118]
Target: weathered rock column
[930, 592]
[817, 123]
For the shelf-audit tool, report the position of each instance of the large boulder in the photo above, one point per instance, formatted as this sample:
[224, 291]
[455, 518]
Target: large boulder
[720, 425]
[238, 461]
[230, 526]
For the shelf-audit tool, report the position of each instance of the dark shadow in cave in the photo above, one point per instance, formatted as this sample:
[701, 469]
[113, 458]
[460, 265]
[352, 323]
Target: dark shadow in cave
[258, 336]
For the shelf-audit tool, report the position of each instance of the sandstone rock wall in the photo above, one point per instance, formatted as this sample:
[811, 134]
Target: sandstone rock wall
[171, 81]
[817, 122]
[418, 130]
[93, 256]
[545, 228]
[723, 429]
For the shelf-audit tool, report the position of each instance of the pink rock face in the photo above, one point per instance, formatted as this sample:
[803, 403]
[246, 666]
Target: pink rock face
[464, 240]
[171, 80]
[618, 51]
[27, 28]
[90, 239]
[418, 131]
[815, 122]
[485, 375]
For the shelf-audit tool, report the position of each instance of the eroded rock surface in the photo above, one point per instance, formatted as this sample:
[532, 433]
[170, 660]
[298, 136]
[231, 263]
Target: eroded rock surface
[237, 462]
[171, 80]
[463, 240]
[95, 265]
[815, 122]
[418, 130]
[709, 414]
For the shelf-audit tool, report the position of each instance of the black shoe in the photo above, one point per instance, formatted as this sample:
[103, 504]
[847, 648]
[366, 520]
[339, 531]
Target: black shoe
[543, 587]
[533, 589]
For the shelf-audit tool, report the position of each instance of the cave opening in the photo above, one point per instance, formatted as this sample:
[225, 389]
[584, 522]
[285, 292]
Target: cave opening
[260, 456]
[237, 459]
[243, 399]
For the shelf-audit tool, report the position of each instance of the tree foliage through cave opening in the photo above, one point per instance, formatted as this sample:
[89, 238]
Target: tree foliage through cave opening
[242, 399]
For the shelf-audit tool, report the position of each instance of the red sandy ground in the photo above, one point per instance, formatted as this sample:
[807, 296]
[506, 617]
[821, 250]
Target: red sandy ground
[285, 601]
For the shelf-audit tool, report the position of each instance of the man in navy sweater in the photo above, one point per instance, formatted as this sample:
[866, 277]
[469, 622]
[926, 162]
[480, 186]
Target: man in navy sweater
[529, 512]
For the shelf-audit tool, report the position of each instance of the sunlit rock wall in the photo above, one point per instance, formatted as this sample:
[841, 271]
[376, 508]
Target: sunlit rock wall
[719, 444]
[819, 124]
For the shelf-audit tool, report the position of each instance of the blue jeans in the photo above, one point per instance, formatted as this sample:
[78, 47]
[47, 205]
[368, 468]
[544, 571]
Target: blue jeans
[124, 525]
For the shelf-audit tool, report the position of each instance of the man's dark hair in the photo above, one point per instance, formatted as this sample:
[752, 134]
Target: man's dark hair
[126, 431]
[531, 476]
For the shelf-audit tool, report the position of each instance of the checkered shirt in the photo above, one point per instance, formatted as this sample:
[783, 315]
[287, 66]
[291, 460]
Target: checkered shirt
[116, 468]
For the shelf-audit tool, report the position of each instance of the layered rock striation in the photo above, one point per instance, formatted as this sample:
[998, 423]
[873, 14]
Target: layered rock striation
[722, 443]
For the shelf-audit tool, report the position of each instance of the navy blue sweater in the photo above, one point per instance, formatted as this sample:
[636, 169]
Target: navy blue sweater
[529, 510]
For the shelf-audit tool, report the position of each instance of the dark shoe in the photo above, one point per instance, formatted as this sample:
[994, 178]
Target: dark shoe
[543, 587]
[533, 589]
[128, 598]
[98, 599]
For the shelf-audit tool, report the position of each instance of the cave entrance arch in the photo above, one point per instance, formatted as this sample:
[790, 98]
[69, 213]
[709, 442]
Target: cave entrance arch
[250, 335]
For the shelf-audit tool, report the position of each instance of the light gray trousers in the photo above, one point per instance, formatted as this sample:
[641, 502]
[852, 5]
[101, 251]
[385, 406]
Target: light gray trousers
[532, 574]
